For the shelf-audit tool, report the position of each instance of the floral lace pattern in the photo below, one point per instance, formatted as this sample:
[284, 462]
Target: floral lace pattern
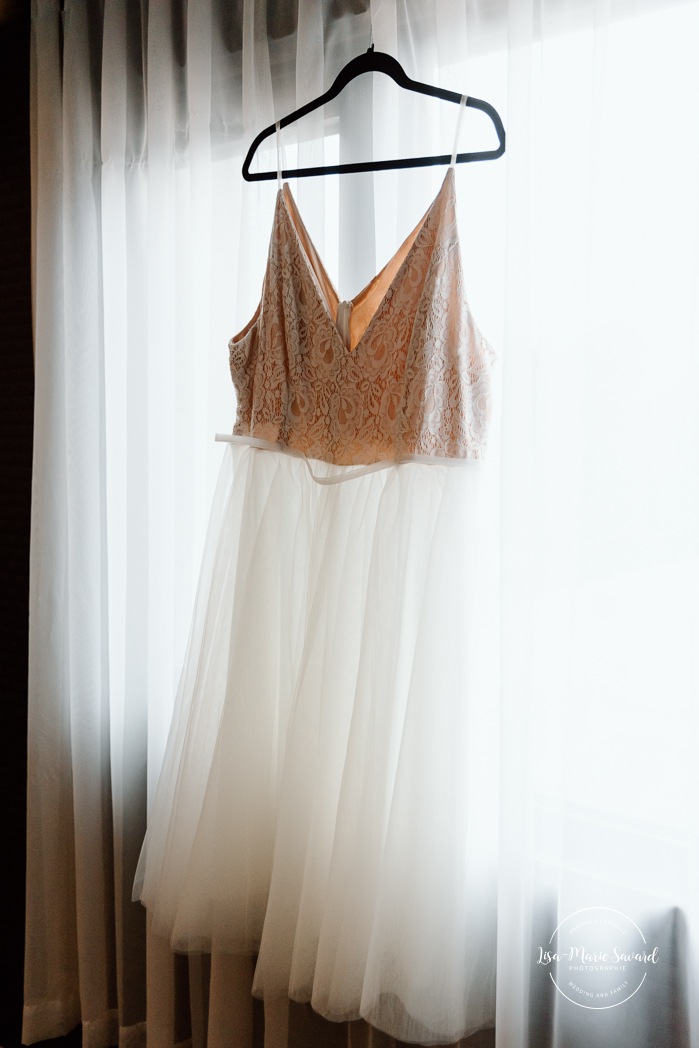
[417, 380]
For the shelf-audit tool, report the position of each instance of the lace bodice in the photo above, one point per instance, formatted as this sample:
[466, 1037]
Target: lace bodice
[400, 370]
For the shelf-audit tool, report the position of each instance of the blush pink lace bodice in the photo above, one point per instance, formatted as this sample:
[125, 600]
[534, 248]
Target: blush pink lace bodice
[401, 370]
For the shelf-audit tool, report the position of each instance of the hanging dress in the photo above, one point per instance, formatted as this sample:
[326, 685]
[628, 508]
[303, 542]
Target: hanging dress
[327, 798]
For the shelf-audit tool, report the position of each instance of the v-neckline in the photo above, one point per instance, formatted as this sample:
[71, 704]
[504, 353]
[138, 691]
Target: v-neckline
[317, 280]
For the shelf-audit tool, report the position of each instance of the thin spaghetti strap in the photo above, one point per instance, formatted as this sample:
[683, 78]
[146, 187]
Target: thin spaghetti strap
[462, 106]
[279, 158]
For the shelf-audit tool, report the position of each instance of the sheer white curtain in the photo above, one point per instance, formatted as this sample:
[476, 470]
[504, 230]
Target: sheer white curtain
[582, 270]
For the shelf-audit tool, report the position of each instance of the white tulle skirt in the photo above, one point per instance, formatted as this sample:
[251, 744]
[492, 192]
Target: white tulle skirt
[327, 798]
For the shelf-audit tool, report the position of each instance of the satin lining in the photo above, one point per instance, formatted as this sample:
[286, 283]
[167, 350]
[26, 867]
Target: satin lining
[350, 474]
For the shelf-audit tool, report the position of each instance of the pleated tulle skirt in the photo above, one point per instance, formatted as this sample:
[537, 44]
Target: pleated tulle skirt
[327, 798]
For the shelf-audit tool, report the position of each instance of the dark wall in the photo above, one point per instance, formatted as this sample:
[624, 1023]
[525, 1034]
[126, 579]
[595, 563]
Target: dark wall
[16, 391]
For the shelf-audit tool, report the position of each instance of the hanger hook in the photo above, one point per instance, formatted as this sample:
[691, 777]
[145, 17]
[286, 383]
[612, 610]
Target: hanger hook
[371, 35]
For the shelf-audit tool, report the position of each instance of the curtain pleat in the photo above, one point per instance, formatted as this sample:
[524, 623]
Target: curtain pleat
[580, 264]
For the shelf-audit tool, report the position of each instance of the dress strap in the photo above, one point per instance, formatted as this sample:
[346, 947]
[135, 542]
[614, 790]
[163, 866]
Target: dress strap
[462, 106]
[279, 157]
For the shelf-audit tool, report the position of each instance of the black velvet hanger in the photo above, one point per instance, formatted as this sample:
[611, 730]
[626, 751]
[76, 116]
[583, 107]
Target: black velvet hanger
[381, 62]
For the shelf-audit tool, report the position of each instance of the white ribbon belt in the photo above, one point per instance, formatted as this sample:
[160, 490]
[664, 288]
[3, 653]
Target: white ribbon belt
[350, 474]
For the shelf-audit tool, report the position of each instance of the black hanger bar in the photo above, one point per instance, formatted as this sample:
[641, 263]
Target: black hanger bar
[375, 61]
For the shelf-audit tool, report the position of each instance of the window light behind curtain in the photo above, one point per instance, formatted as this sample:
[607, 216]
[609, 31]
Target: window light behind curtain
[581, 268]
